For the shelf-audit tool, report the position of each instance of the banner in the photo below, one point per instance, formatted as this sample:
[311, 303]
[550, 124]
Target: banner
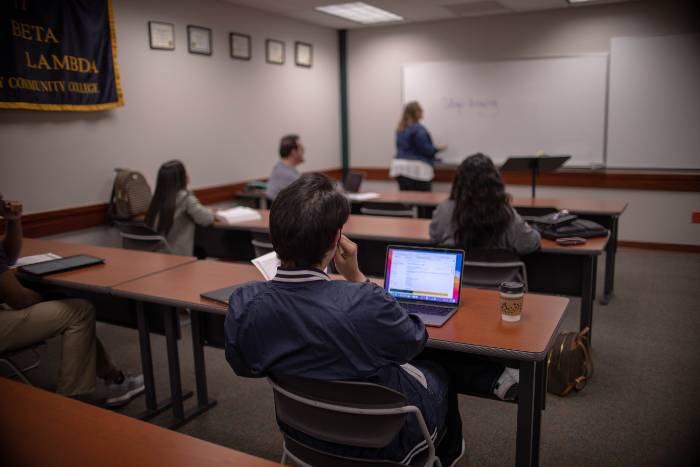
[58, 55]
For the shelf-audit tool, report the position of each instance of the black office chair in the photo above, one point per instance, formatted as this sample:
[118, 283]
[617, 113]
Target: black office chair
[139, 236]
[7, 358]
[487, 269]
[389, 209]
[343, 412]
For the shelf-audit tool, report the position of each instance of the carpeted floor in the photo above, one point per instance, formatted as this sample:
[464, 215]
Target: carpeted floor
[640, 408]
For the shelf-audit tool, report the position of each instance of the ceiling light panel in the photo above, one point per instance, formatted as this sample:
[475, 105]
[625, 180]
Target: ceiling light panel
[360, 13]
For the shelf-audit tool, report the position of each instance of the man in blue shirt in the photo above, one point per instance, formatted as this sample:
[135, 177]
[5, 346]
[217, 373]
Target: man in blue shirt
[301, 323]
[285, 172]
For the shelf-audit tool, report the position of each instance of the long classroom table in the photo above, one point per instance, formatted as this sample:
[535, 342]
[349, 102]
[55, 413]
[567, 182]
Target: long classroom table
[603, 211]
[555, 269]
[42, 428]
[476, 328]
[96, 283]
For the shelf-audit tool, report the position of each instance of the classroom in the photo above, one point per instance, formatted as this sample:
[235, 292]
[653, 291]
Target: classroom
[227, 87]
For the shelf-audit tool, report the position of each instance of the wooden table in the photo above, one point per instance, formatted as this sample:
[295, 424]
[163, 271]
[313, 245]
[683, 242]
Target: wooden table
[42, 428]
[96, 283]
[555, 269]
[476, 328]
[606, 212]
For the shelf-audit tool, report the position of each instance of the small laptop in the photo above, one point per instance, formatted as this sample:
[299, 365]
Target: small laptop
[425, 281]
[353, 182]
[222, 295]
[67, 263]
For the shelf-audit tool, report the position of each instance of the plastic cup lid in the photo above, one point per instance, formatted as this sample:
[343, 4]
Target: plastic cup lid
[512, 287]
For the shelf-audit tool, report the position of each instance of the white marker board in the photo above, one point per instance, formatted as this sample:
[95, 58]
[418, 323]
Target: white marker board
[654, 116]
[516, 107]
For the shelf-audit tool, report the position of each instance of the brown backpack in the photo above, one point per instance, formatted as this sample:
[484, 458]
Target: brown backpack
[569, 363]
[131, 195]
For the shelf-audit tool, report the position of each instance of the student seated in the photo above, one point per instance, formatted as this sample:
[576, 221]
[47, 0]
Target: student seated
[478, 214]
[26, 318]
[175, 210]
[285, 171]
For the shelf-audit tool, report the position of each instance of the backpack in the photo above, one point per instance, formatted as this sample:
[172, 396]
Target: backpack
[569, 363]
[131, 195]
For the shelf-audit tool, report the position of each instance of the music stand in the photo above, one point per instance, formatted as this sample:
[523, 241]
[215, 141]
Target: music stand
[536, 164]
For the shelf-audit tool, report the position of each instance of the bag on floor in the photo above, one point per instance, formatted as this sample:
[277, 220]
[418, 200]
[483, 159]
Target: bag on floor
[569, 363]
[131, 196]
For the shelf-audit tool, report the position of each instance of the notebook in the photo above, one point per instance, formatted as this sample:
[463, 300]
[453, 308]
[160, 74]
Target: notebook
[66, 263]
[425, 281]
[222, 295]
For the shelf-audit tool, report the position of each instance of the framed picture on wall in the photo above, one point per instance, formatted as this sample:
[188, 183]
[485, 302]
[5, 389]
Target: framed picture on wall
[199, 40]
[240, 46]
[161, 35]
[274, 51]
[303, 54]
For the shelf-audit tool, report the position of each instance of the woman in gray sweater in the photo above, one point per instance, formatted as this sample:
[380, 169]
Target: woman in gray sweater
[478, 214]
[175, 210]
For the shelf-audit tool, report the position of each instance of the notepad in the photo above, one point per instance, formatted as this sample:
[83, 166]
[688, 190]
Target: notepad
[238, 214]
[34, 259]
[362, 196]
[267, 264]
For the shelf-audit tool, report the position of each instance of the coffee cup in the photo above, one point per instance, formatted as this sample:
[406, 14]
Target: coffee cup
[511, 300]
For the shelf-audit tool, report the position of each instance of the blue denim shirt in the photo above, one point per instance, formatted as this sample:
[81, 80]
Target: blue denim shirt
[415, 143]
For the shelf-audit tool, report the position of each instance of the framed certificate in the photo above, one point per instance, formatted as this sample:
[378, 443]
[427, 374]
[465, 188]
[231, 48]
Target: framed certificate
[161, 35]
[240, 46]
[303, 54]
[199, 40]
[274, 51]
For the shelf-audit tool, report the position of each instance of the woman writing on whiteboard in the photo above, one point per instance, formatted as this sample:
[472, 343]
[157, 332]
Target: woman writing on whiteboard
[415, 153]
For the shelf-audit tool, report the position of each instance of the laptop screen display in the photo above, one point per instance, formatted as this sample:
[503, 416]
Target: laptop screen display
[424, 274]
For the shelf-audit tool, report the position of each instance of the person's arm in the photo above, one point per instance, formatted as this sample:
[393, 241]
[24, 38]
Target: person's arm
[439, 230]
[523, 238]
[200, 215]
[15, 294]
[11, 211]
[346, 260]
[423, 143]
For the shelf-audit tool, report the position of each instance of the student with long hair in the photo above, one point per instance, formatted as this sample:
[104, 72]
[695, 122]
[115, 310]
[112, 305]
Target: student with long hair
[175, 210]
[415, 152]
[478, 214]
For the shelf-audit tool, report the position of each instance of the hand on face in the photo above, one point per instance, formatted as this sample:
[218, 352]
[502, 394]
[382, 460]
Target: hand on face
[346, 260]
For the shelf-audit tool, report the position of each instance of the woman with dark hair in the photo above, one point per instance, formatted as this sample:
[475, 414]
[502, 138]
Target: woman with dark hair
[175, 210]
[415, 153]
[478, 214]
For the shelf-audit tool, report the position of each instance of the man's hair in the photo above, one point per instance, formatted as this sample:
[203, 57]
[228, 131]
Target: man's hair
[288, 143]
[304, 219]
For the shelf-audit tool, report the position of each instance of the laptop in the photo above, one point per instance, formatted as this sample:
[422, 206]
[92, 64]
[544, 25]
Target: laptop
[353, 182]
[425, 281]
[66, 263]
[222, 295]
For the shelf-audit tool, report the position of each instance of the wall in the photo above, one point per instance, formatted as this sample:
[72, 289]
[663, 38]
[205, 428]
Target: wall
[377, 54]
[222, 117]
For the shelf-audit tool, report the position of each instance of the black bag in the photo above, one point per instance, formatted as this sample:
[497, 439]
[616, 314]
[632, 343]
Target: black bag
[569, 363]
[576, 228]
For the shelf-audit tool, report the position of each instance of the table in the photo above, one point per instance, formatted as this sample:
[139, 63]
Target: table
[122, 266]
[555, 269]
[605, 212]
[42, 428]
[476, 328]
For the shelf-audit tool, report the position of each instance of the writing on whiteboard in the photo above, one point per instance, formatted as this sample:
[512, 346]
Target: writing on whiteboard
[486, 107]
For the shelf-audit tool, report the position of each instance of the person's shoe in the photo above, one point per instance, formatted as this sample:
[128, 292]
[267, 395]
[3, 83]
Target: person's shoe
[120, 394]
[507, 385]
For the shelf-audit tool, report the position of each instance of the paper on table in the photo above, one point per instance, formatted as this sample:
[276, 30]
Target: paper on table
[238, 214]
[33, 259]
[362, 196]
[267, 264]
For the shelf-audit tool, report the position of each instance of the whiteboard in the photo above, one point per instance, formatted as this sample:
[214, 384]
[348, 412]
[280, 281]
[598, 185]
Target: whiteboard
[516, 107]
[654, 116]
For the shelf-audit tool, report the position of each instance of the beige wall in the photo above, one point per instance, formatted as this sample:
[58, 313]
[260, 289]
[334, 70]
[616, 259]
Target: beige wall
[222, 117]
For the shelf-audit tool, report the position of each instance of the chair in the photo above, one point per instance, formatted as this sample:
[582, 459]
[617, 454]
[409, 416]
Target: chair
[7, 356]
[139, 236]
[389, 209]
[262, 243]
[343, 412]
[486, 269]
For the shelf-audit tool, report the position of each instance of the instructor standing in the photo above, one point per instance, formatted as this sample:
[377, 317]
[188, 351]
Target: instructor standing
[415, 153]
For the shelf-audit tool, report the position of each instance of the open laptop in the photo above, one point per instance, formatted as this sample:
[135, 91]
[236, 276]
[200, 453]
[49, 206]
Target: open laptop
[426, 281]
[353, 182]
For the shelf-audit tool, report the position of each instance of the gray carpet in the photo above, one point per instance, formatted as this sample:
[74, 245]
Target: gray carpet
[640, 408]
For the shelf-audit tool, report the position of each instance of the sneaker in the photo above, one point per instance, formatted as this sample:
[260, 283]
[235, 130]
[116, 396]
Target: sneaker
[507, 385]
[120, 394]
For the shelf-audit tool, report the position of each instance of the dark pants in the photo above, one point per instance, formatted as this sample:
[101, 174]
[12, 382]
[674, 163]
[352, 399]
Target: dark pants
[409, 184]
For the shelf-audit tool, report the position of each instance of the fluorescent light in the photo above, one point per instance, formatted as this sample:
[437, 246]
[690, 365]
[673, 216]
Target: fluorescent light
[359, 12]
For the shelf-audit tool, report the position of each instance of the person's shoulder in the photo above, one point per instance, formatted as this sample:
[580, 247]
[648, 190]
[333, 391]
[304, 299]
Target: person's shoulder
[246, 293]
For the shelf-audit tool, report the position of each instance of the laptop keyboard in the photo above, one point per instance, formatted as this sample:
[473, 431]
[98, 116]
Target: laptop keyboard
[426, 309]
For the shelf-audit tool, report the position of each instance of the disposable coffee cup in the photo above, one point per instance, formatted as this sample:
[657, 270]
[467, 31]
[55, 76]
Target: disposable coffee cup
[511, 300]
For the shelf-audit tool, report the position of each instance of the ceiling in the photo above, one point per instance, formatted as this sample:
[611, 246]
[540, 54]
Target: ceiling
[412, 11]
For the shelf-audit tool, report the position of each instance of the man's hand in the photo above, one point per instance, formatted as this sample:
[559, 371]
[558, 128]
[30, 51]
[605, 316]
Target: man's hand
[346, 260]
[10, 210]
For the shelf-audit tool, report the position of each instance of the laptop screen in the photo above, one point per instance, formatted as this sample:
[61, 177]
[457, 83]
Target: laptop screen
[424, 274]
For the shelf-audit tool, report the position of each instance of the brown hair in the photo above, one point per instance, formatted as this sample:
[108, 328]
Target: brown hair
[410, 115]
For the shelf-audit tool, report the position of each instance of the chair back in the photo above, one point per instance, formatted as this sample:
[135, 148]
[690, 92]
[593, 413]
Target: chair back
[262, 243]
[486, 269]
[139, 236]
[389, 209]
